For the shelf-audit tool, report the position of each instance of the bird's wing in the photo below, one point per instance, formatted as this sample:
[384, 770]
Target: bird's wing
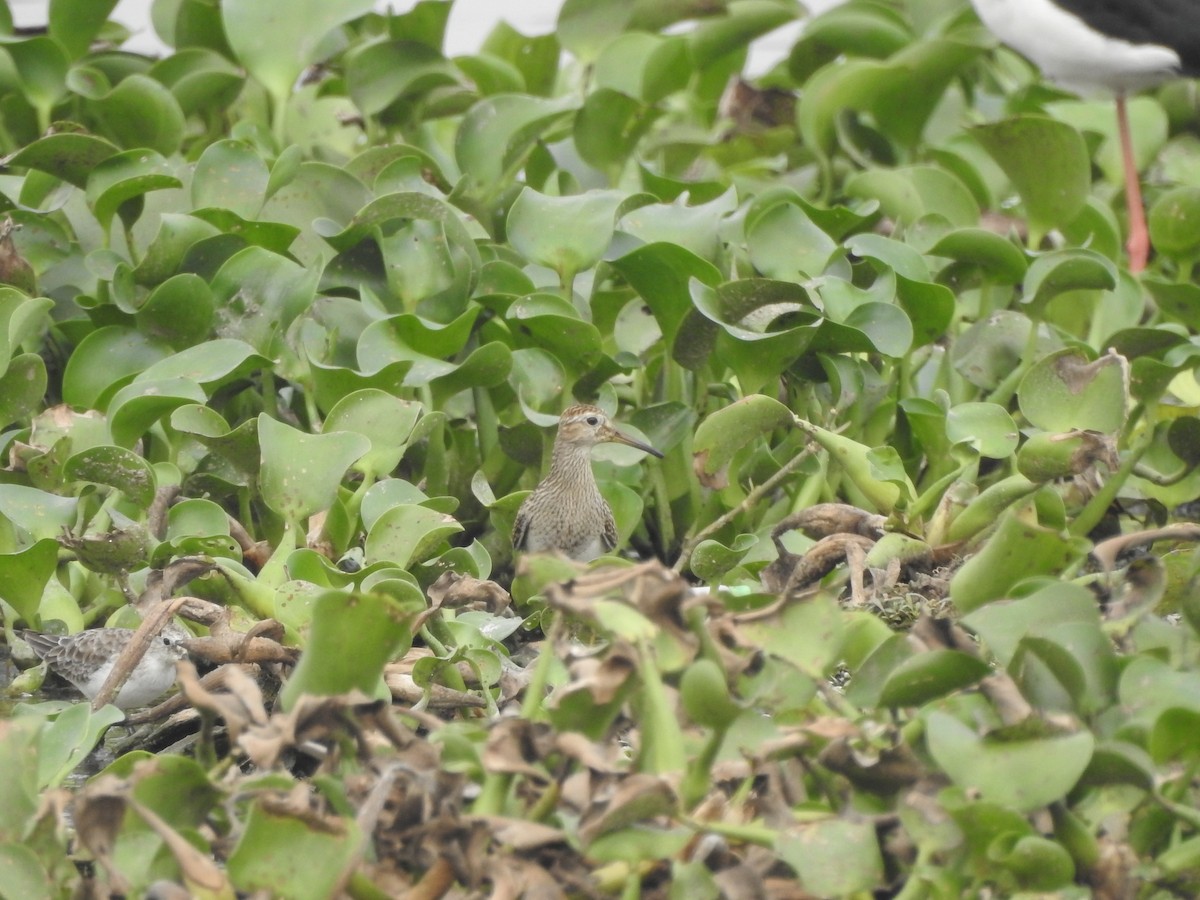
[610, 530]
[521, 525]
[40, 644]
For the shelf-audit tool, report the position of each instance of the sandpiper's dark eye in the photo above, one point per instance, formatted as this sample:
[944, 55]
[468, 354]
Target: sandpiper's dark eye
[592, 420]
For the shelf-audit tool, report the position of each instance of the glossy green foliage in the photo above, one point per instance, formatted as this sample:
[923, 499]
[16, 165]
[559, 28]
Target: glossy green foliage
[300, 303]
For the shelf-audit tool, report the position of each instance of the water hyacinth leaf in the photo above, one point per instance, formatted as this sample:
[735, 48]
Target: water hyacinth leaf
[210, 364]
[332, 383]
[177, 234]
[712, 559]
[609, 126]
[260, 294]
[727, 430]
[301, 472]
[745, 310]
[66, 741]
[314, 857]
[230, 175]
[378, 74]
[1174, 222]
[553, 323]
[407, 205]
[105, 357]
[909, 193]
[627, 506]
[23, 577]
[136, 407]
[661, 273]
[115, 467]
[124, 177]
[1016, 550]
[1023, 773]
[833, 857]
[1002, 625]
[930, 308]
[927, 676]
[140, 112]
[378, 626]
[74, 24]
[407, 533]
[1173, 735]
[986, 427]
[179, 311]
[385, 420]
[22, 873]
[40, 514]
[41, 73]
[276, 43]
[1066, 390]
[22, 387]
[1061, 271]
[397, 339]
[21, 317]
[566, 234]
[786, 244]
[901, 93]
[809, 635]
[992, 348]
[1047, 162]
[715, 37]
[199, 79]
[644, 66]
[694, 227]
[998, 259]
[71, 157]
[316, 199]
[498, 132]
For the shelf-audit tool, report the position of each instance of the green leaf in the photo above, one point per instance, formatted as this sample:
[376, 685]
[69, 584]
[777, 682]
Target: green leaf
[408, 534]
[566, 234]
[1067, 390]
[301, 472]
[1025, 774]
[116, 467]
[275, 43]
[728, 430]
[833, 857]
[104, 358]
[75, 23]
[376, 626]
[1016, 550]
[230, 175]
[927, 676]
[124, 177]
[1047, 162]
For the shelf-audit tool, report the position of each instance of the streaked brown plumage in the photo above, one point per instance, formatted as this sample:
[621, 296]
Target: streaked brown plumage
[566, 512]
[86, 658]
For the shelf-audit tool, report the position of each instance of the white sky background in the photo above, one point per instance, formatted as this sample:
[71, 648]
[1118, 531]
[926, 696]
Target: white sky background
[470, 23]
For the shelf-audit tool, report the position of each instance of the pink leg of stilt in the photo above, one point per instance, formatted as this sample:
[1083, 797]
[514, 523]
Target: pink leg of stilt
[1138, 244]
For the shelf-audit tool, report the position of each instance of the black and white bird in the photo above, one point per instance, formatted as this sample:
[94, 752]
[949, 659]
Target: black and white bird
[1121, 46]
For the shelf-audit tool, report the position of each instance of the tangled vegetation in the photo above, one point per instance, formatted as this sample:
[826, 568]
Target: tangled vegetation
[288, 317]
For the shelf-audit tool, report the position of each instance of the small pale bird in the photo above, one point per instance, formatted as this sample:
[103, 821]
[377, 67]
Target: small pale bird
[86, 658]
[566, 512]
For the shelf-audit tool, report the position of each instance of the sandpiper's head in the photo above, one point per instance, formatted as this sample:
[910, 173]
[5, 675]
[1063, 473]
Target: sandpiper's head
[587, 426]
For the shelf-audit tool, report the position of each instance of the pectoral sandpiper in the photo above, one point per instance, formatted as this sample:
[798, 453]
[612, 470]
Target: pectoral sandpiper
[566, 512]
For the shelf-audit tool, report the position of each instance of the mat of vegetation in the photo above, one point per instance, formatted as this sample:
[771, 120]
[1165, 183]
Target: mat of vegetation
[288, 315]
